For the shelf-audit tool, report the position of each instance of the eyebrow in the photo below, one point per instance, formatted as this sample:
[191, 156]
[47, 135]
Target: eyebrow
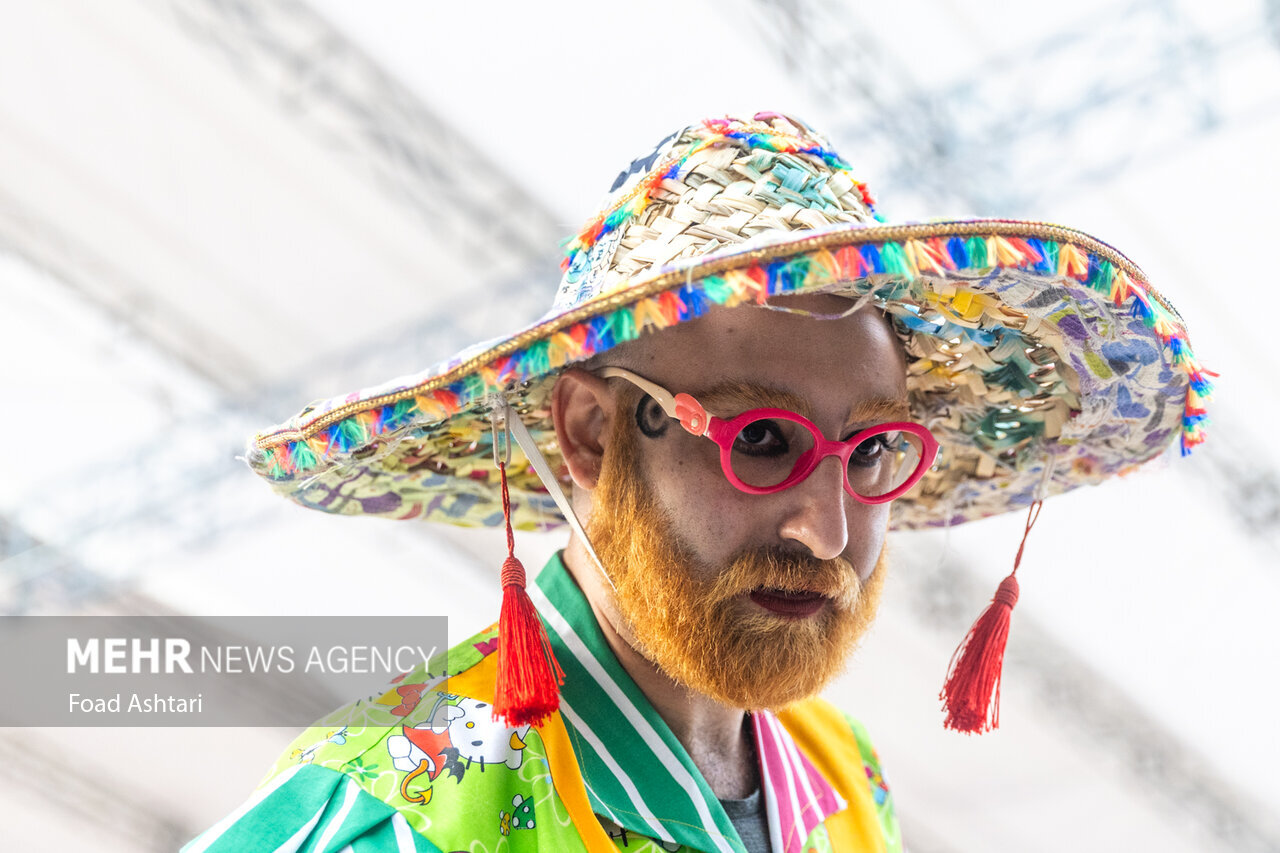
[880, 410]
[732, 394]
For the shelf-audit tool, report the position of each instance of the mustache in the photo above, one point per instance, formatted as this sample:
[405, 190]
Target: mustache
[773, 567]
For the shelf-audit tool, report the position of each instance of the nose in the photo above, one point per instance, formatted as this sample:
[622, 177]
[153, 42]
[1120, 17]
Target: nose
[818, 518]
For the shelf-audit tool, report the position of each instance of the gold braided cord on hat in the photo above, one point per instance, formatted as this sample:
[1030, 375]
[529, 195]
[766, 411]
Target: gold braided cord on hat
[632, 294]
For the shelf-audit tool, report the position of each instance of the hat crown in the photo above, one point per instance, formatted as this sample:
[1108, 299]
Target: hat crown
[711, 185]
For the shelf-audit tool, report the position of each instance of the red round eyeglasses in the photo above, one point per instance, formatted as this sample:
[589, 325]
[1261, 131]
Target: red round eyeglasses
[767, 450]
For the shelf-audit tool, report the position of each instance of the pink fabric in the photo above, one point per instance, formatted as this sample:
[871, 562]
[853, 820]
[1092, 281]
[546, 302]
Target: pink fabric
[796, 796]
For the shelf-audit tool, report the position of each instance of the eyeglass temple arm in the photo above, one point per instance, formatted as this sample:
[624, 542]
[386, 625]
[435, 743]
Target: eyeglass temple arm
[682, 407]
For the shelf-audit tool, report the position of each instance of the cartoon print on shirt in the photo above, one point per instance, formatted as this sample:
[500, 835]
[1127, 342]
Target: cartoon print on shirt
[454, 733]
[879, 788]
[410, 695]
[520, 816]
[405, 697]
[480, 739]
[425, 748]
[304, 755]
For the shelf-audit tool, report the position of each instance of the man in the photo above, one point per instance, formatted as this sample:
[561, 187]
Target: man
[745, 380]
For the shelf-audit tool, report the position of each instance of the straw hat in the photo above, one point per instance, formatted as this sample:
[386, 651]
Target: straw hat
[1040, 357]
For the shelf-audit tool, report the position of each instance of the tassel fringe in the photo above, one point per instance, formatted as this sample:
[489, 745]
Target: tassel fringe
[529, 677]
[971, 693]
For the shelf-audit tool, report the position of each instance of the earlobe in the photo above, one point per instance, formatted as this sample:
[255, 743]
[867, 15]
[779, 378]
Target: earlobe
[581, 409]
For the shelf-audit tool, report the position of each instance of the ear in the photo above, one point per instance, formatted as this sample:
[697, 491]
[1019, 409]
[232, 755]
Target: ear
[582, 409]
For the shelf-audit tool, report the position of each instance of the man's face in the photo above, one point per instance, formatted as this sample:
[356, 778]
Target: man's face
[755, 600]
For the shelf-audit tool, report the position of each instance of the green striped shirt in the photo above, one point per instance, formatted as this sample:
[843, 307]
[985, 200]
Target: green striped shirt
[424, 769]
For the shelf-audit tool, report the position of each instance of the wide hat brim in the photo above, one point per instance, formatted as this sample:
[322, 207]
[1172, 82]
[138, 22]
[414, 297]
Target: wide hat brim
[1040, 357]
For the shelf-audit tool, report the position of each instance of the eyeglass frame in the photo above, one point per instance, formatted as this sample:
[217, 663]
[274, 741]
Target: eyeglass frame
[697, 421]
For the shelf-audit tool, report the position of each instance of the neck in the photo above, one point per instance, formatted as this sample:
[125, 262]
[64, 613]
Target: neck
[717, 737]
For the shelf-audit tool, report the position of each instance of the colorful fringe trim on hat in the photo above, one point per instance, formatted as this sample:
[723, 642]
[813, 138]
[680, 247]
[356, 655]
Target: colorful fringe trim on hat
[754, 136]
[355, 425]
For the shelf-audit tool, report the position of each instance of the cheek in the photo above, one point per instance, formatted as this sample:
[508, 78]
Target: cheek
[868, 527]
[709, 515]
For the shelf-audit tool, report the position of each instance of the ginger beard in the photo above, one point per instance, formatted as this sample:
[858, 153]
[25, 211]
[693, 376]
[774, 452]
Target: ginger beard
[707, 634]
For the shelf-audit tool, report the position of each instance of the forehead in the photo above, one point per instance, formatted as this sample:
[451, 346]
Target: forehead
[822, 365]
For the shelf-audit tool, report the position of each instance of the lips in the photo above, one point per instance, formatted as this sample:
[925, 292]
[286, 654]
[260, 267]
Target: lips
[789, 603]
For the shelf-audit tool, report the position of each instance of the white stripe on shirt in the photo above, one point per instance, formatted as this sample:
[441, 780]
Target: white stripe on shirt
[332, 827]
[796, 813]
[404, 834]
[623, 779]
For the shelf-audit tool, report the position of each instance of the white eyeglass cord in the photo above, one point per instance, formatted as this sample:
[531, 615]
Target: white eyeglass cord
[516, 428]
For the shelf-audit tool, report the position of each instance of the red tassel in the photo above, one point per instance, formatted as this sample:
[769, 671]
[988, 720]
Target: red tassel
[971, 694]
[529, 677]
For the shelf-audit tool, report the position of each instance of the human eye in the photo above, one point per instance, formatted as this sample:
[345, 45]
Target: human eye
[873, 448]
[761, 438]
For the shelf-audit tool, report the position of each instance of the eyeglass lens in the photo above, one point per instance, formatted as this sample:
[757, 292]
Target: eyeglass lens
[766, 451]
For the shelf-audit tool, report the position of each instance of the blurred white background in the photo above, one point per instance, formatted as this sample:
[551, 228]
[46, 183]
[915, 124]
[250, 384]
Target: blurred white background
[214, 211]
